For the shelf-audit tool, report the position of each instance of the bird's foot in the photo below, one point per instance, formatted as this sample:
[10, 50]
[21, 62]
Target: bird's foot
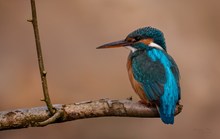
[129, 98]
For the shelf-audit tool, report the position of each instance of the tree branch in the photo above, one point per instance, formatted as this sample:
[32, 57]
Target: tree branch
[23, 118]
[40, 59]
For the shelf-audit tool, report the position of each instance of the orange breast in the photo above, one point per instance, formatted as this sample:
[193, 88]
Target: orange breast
[135, 84]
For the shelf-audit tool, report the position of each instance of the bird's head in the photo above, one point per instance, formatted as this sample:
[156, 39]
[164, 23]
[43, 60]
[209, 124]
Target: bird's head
[143, 38]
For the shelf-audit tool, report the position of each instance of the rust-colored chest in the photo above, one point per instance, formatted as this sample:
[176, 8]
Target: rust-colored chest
[134, 83]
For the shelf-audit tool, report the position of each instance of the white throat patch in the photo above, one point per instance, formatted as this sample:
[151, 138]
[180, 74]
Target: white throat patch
[152, 44]
[131, 48]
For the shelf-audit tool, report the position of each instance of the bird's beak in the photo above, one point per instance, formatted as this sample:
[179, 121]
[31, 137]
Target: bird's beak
[116, 44]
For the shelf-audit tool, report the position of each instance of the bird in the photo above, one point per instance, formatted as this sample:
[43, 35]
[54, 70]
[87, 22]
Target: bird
[153, 73]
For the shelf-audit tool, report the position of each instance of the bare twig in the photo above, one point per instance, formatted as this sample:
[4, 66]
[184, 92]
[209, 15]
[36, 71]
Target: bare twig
[23, 118]
[52, 119]
[40, 59]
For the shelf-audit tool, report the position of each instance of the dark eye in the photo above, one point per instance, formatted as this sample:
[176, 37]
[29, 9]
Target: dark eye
[137, 38]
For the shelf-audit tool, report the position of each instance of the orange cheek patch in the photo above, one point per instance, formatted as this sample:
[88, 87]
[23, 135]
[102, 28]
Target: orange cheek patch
[146, 41]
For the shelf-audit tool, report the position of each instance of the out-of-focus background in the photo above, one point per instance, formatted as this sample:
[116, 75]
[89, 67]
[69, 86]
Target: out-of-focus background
[70, 31]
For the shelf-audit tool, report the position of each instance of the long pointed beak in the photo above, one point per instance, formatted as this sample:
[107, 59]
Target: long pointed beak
[116, 44]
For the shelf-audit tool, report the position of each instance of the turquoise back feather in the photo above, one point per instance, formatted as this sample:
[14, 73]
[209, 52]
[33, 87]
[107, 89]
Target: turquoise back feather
[171, 96]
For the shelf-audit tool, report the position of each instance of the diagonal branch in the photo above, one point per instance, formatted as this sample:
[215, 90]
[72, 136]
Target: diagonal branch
[40, 58]
[23, 118]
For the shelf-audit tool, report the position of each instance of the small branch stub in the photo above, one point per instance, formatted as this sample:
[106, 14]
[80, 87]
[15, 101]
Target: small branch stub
[44, 73]
[30, 20]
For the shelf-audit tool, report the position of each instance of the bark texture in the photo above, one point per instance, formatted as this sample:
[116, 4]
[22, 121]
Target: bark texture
[23, 118]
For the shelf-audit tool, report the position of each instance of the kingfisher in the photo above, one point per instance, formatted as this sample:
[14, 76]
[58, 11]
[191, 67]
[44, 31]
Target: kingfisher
[153, 73]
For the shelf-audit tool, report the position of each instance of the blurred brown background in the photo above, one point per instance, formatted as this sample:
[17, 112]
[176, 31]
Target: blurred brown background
[71, 30]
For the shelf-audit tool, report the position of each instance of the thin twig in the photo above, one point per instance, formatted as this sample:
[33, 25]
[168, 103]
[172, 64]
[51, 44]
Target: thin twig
[40, 59]
[23, 118]
[52, 119]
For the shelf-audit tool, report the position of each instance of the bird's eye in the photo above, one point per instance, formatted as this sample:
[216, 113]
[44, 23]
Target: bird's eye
[137, 38]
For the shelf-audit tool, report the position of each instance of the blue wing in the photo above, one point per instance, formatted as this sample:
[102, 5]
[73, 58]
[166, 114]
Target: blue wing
[150, 74]
[158, 74]
[176, 73]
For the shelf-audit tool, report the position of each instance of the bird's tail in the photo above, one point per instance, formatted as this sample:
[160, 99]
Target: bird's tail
[167, 118]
